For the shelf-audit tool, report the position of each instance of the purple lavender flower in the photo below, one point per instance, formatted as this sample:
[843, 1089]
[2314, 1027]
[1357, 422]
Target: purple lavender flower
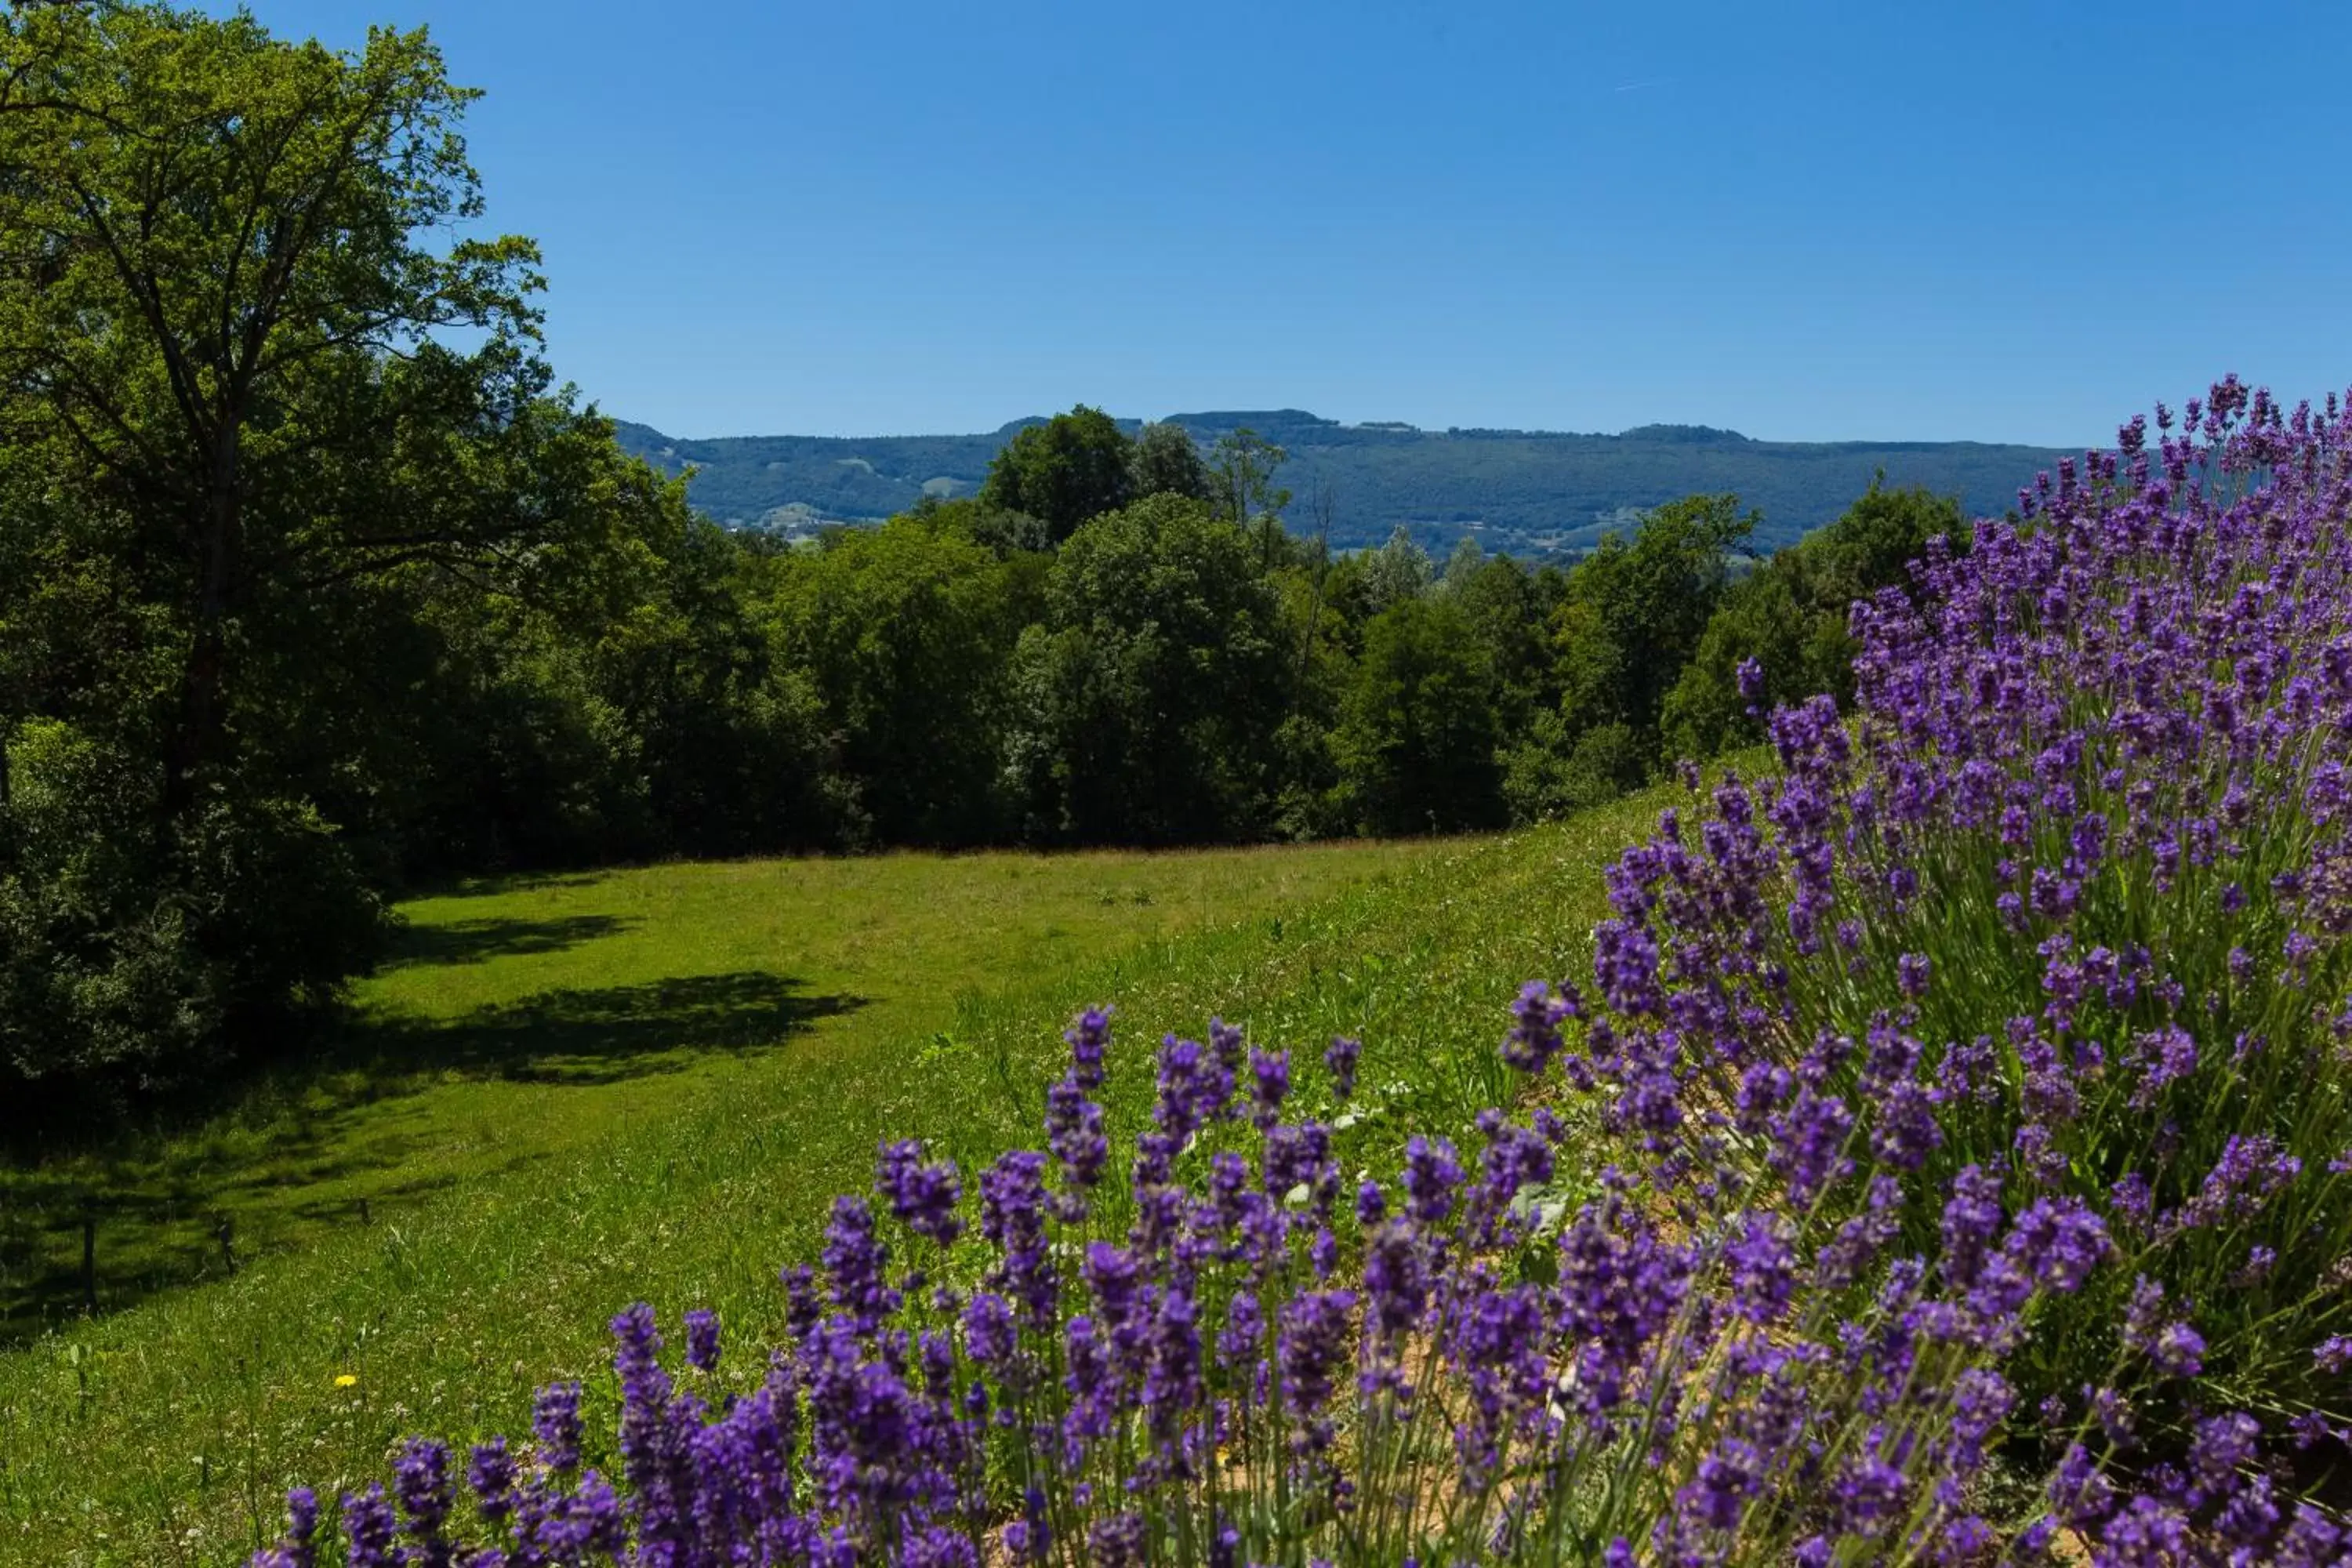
[1971, 1218]
[298, 1547]
[1313, 1347]
[2223, 1444]
[2311, 1539]
[1172, 1361]
[1396, 1278]
[923, 1196]
[1911, 974]
[857, 1264]
[1226, 1044]
[555, 1425]
[1432, 1174]
[421, 1482]
[1088, 1038]
[368, 1528]
[1113, 1276]
[1012, 1217]
[1194, 1089]
[1239, 1341]
[1118, 1541]
[1342, 1056]
[1535, 1037]
[2178, 1351]
[490, 1473]
[702, 1339]
[1074, 1132]
[1269, 1087]
[1763, 1269]
[2165, 1055]
[1300, 1157]
[1730, 1476]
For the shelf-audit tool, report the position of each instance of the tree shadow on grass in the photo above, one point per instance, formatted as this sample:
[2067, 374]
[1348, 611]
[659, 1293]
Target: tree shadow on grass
[499, 885]
[579, 1035]
[327, 1141]
[479, 941]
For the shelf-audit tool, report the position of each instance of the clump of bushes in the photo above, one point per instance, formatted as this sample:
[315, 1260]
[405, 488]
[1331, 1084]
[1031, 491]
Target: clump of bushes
[1968, 1184]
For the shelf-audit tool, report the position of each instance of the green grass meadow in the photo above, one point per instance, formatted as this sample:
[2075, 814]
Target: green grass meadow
[568, 1094]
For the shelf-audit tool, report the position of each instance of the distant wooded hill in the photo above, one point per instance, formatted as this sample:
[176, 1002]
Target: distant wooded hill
[1527, 492]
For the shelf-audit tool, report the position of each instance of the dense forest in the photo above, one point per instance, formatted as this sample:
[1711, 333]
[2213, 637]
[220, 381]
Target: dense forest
[314, 587]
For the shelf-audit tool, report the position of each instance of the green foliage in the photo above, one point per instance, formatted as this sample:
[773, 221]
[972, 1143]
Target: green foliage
[1074, 466]
[1417, 737]
[1242, 466]
[1397, 572]
[907, 633]
[1789, 616]
[1166, 462]
[1151, 690]
[1552, 773]
[1629, 619]
[1509, 610]
[127, 954]
[1007, 534]
[1467, 556]
[233, 414]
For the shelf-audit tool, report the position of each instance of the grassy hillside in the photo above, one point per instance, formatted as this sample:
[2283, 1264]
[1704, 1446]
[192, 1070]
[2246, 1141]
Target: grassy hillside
[519, 1022]
[1518, 491]
[578, 1093]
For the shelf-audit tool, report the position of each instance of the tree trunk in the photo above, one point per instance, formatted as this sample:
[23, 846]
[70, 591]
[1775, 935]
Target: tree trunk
[193, 743]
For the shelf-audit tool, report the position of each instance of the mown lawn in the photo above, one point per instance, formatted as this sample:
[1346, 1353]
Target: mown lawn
[575, 1093]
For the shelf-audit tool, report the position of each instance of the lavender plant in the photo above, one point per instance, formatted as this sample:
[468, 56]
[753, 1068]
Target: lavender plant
[2066, 901]
[1261, 1367]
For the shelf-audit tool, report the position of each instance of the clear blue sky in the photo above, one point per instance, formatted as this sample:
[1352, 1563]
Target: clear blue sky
[1985, 221]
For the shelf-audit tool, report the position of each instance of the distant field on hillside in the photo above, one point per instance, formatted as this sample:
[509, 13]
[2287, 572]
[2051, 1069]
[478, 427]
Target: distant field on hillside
[575, 1092]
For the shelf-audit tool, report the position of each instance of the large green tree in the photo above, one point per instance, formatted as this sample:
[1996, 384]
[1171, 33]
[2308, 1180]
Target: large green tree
[1633, 610]
[1073, 466]
[1629, 617]
[224, 285]
[1242, 466]
[249, 385]
[906, 632]
[1417, 736]
[1152, 688]
[1166, 462]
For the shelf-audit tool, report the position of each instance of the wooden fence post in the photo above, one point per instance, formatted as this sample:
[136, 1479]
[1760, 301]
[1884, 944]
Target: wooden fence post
[89, 1263]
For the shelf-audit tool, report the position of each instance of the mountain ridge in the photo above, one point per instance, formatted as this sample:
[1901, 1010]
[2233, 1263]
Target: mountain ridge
[1531, 492]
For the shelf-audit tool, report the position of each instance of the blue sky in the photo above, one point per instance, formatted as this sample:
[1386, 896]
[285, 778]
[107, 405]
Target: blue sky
[1983, 221]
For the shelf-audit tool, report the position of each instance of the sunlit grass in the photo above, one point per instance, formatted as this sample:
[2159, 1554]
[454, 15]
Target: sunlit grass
[523, 1021]
[586, 1091]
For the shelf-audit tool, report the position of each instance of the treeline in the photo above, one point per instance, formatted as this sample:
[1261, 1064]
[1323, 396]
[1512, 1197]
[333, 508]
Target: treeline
[313, 586]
